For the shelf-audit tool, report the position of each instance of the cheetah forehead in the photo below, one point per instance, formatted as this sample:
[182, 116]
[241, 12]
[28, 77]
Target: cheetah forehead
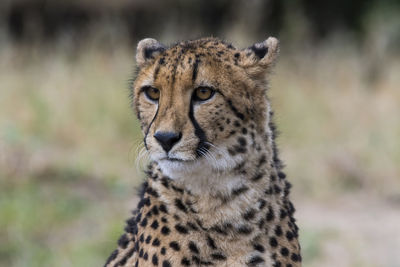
[255, 59]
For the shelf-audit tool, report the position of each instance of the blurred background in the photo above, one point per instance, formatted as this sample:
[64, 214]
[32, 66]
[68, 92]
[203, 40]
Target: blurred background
[68, 137]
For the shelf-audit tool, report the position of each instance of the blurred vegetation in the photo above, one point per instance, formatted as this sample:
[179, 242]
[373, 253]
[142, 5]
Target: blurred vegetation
[68, 137]
[73, 22]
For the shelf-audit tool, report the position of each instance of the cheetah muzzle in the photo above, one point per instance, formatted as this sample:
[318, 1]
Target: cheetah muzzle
[215, 193]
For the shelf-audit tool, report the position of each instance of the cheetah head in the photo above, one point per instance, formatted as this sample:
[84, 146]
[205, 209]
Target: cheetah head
[195, 99]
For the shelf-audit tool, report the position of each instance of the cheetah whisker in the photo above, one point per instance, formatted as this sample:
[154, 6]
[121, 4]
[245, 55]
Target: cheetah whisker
[143, 156]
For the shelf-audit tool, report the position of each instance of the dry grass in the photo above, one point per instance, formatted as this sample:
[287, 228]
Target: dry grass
[68, 139]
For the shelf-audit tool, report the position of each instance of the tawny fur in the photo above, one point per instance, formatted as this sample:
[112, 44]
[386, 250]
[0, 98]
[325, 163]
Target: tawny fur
[219, 196]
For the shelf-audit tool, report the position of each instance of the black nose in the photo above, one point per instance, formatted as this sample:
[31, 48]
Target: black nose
[167, 139]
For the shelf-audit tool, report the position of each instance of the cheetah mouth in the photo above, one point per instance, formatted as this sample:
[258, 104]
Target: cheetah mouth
[171, 159]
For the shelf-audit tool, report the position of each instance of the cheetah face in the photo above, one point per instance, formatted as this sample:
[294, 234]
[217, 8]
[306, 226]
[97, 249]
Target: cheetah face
[194, 99]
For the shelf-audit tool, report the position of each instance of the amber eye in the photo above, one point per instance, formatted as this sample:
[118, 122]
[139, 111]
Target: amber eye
[203, 93]
[152, 93]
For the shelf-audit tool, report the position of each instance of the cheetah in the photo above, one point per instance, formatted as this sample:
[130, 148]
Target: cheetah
[215, 193]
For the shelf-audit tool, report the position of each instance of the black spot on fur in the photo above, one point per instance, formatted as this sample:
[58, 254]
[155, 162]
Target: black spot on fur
[240, 190]
[193, 247]
[262, 160]
[211, 243]
[144, 202]
[283, 214]
[149, 214]
[112, 257]
[185, 261]
[180, 205]
[289, 235]
[123, 241]
[181, 229]
[148, 239]
[244, 229]
[154, 225]
[240, 149]
[270, 215]
[277, 189]
[295, 257]
[255, 260]
[165, 230]
[261, 223]
[141, 238]
[273, 242]
[219, 230]
[163, 208]
[152, 192]
[122, 261]
[268, 191]
[154, 260]
[155, 210]
[257, 177]
[284, 251]
[218, 256]
[144, 222]
[165, 182]
[175, 245]
[141, 253]
[231, 133]
[250, 214]
[177, 189]
[259, 247]
[262, 203]
[192, 226]
[156, 242]
[281, 175]
[242, 141]
[195, 69]
[278, 230]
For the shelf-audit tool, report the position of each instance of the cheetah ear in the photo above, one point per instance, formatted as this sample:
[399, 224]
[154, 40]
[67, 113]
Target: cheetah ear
[260, 57]
[147, 50]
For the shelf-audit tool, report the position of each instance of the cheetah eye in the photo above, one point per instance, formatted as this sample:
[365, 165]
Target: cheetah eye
[203, 93]
[152, 93]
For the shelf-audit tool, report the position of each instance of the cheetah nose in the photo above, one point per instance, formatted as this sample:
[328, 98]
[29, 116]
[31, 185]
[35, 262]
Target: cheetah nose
[167, 139]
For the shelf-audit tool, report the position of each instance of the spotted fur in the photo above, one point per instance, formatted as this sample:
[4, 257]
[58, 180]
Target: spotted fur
[218, 197]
